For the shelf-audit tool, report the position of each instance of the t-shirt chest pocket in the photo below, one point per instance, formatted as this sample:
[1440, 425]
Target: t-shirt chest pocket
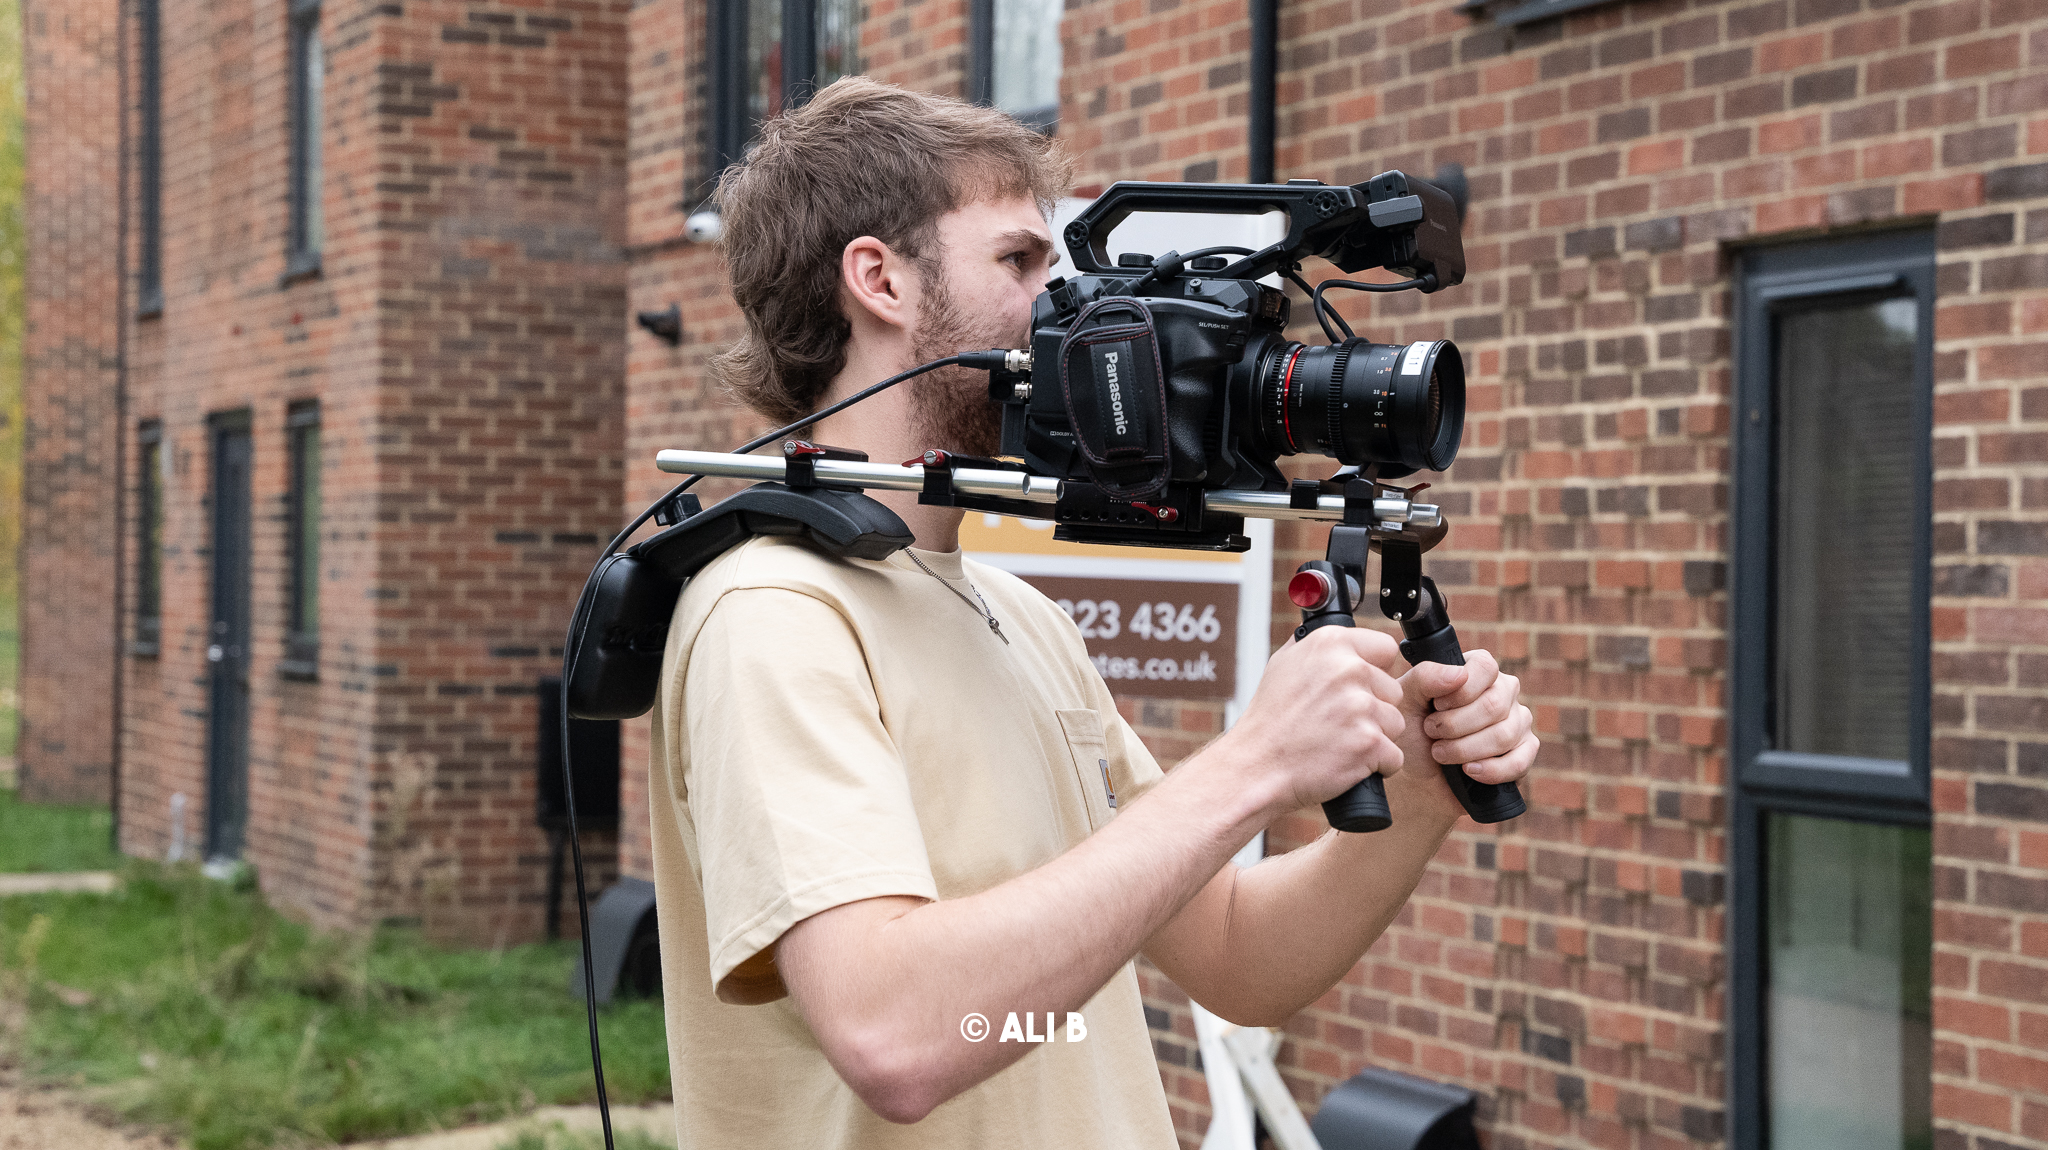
[1088, 748]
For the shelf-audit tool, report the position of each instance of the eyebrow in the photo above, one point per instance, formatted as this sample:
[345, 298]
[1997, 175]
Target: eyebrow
[1024, 238]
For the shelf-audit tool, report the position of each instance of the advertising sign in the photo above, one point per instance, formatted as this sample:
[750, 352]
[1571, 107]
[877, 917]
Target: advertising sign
[1158, 623]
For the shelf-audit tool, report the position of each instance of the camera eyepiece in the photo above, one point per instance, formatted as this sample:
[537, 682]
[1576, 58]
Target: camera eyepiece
[1401, 406]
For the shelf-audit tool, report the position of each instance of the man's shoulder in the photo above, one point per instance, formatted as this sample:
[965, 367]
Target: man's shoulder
[773, 562]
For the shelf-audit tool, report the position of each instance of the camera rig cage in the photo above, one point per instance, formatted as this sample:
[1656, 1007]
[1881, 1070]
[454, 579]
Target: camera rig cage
[1150, 409]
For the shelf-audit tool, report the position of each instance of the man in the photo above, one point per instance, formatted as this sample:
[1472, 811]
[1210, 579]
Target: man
[890, 795]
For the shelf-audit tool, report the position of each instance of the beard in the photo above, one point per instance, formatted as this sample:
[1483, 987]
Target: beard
[951, 409]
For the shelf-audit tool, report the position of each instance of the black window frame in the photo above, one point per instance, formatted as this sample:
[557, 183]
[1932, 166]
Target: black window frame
[302, 573]
[149, 165]
[1525, 11]
[147, 640]
[1772, 281]
[726, 46]
[981, 67]
[302, 257]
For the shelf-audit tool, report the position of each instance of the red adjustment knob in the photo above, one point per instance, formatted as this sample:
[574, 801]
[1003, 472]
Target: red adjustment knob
[1310, 589]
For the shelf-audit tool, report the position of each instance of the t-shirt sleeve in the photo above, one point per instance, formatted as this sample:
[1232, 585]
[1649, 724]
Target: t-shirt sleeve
[795, 789]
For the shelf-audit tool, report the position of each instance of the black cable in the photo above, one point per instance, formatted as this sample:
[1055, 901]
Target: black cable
[1423, 282]
[1172, 263]
[1317, 304]
[984, 360]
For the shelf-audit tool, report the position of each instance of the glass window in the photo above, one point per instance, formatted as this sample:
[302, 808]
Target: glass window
[838, 39]
[1849, 930]
[1845, 520]
[302, 644]
[764, 56]
[308, 77]
[149, 540]
[1829, 842]
[764, 62]
[1025, 60]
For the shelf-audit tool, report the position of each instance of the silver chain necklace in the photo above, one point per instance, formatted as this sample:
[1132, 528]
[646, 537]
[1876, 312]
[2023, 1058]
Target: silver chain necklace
[981, 609]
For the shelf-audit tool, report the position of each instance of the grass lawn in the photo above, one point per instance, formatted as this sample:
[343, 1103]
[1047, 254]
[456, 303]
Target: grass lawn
[49, 837]
[188, 1004]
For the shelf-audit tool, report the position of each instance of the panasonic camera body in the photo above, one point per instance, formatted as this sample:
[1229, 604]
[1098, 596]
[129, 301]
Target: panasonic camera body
[1156, 379]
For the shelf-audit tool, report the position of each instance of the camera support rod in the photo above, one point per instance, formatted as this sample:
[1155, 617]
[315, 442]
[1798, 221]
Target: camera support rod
[1026, 488]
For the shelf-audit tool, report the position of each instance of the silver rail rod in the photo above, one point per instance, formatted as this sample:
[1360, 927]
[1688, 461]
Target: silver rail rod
[1019, 486]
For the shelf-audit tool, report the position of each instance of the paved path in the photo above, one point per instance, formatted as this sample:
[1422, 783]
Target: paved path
[33, 1119]
[55, 1119]
[96, 881]
[656, 1120]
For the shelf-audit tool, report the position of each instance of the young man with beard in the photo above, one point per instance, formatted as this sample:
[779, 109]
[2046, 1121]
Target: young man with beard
[891, 794]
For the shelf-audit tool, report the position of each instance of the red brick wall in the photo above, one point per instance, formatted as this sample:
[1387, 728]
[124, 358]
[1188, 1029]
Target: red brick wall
[1572, 970]
[464, 337]
[1991, 627]
[1570, 966]
[71, 338]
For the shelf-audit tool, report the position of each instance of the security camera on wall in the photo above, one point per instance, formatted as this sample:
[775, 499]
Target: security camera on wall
[705, 227]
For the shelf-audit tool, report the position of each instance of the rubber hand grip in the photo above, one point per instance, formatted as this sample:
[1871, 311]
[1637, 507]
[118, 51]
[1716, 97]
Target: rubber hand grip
[1485, 802]
[1363, 807]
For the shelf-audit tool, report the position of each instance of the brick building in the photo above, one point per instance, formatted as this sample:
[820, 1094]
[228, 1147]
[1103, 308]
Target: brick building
[69, 356]
[1680, 209]
[1792, 238]
[361, 388]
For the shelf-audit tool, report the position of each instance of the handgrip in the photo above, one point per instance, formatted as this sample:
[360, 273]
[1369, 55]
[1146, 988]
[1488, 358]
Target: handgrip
[1363, 806]
[1485, 802]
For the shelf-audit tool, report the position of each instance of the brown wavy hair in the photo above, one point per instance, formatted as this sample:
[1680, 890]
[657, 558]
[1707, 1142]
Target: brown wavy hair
[862, 158]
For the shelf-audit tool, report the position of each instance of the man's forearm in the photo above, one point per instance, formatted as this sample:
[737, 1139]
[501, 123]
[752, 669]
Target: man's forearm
[1046, 940]
[1294, 925]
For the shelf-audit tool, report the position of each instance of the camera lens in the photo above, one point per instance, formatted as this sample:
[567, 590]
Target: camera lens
[1398, 405]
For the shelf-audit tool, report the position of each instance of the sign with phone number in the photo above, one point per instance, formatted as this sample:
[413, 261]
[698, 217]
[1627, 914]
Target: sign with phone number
[1156, 637]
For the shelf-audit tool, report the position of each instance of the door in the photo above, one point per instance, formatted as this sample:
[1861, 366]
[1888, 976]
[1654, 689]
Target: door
[227, 652]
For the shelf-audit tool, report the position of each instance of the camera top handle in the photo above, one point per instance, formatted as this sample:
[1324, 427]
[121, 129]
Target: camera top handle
[1391, 220]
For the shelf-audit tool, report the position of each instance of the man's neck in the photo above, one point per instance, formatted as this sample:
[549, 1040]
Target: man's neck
[885, 427]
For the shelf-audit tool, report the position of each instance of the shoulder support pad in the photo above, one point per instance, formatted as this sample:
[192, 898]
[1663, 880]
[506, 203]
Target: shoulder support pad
[621, 624]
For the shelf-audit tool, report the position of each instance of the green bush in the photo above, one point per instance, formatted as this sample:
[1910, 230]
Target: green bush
[187, 1004]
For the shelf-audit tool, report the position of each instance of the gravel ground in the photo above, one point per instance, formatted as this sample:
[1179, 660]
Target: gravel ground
[45, 1119]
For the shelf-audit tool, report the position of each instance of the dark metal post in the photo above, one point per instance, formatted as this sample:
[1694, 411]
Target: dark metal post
[1265, 68]
[981, 51]
[799, 52]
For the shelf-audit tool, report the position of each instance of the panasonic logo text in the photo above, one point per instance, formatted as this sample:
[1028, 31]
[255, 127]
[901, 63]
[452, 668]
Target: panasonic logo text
[1116, 394]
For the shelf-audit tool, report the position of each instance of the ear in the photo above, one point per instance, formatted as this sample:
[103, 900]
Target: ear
[879, 283]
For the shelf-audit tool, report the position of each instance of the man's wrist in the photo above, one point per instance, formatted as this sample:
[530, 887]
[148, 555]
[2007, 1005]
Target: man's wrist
[1235, 779]
[1419, 790]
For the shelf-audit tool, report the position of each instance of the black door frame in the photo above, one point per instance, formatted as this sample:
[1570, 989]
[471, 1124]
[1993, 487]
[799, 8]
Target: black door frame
[1771, 281]
[228, 626]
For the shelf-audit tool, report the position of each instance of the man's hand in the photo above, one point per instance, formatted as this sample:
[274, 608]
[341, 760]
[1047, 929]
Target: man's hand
[1478, 721]
[1327, 713]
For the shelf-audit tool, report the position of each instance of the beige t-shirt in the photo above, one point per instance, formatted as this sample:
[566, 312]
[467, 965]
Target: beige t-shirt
[830, 730]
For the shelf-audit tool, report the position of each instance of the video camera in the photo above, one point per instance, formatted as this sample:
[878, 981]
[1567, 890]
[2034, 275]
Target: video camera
[1155, 381]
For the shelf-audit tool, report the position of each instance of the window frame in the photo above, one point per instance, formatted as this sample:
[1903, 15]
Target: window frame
[725, 44]
[1525, 11]
[301, 645]
[302, 258]
[149, 166]
[147, 639]
[981, 66]
[1770, 282]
